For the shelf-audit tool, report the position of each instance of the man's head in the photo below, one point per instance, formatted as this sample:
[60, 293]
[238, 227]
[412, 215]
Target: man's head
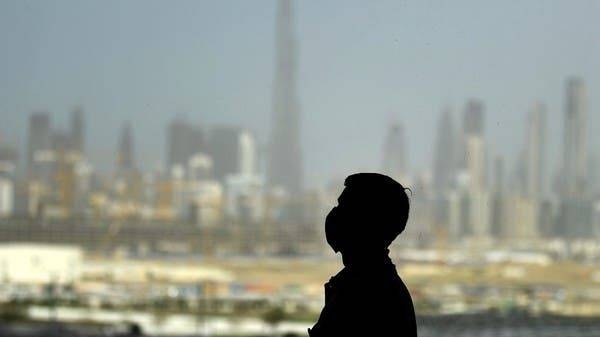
[372, 210]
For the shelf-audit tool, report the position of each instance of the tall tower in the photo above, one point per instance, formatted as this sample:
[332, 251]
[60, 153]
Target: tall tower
[444, 160]
[575, 152]
[394, 151]
[285, 161]
[535, 140]
[125, 160]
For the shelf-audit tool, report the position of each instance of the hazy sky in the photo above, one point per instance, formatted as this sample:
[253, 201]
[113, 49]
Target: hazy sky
[361, 65]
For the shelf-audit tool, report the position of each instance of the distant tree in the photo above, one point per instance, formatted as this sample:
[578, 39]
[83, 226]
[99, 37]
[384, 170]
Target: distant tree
[273, 316]
[12, 313]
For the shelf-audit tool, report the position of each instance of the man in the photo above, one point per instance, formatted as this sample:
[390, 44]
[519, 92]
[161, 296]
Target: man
[366, 298]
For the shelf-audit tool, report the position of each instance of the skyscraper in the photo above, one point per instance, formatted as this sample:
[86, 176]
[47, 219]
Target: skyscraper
[125, 156]
[473, 122]
[39, 140]
[248, 154]
[444, 160]
[77, 131]
[285, 160]
[499, 180]
[535, 140]
[594, 174]
[476, 162]
[8, 164]
[497, 199]
[474, 145]
[8, 160]
[224, 148]
[394, 151]
[183, 141]
[64, 171]
[61, 142]
[233, 151]
[575, 151]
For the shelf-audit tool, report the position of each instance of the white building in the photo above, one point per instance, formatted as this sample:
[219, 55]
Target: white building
[476, 162]
[480, 214]
[244, 191]
[36, 264]
[7, 196]
[197, 200]
[248, 163]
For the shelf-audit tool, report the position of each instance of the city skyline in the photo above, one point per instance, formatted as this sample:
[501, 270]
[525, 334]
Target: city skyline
[345, 75]
[535, 127]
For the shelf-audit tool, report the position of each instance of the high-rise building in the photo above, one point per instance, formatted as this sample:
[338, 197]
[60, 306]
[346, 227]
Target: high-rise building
[225, 150]
[125, 154]
[444, 160]
[285, 162]
[39, 140]
[61, 141]
[575, 151]
[497, 199]
[63, 181]
[77, 131]
[176, 143]
[183, 141]
[499, 174]
[594, 175]
[7, 197]
[473, 119]
[535, 182]
[476, 162]
[474, 146]
[480, 207]
[518, 174]
[574, 218]
[8, 162]
[248, 154]
[233, 151]
[394, 151]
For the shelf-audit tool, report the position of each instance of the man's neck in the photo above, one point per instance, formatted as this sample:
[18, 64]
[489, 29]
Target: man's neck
[364, 260]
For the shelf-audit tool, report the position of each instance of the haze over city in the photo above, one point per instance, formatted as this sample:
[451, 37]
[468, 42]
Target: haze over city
[175, 168]
[360, 67]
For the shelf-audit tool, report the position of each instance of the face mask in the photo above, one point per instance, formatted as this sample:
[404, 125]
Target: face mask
[332, 229]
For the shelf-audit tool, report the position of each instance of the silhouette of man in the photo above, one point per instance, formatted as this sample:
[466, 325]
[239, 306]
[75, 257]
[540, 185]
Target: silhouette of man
[366, 298]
